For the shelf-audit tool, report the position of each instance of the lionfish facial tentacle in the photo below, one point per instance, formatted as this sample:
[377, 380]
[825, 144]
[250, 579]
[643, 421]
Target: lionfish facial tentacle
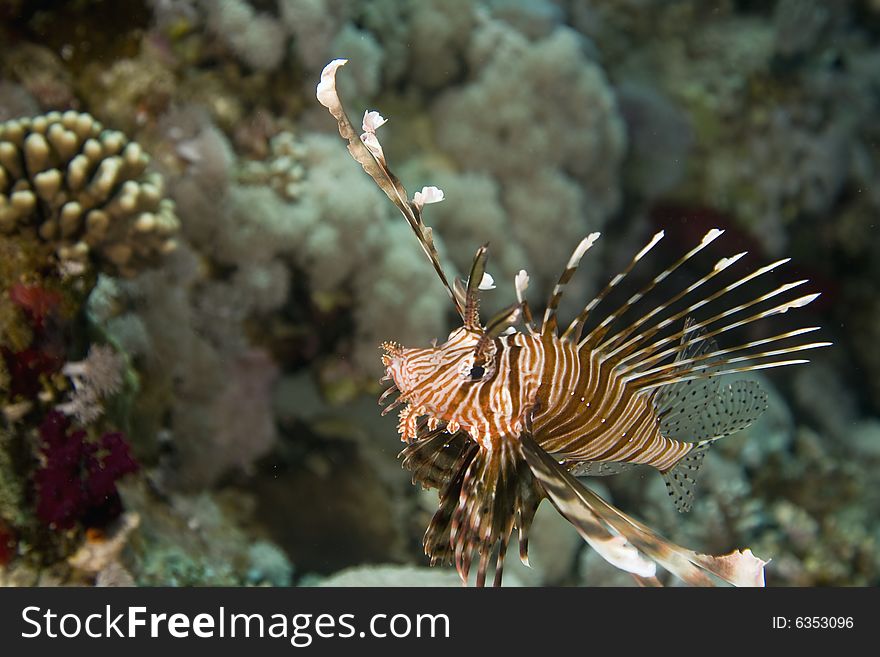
[385, 395]
[394, 404]
[391, 348]
[407, 425]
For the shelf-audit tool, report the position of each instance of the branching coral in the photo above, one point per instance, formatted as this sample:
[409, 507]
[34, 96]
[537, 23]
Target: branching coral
[313, 24]
[256, 229]
[84, 190]
[282, 170]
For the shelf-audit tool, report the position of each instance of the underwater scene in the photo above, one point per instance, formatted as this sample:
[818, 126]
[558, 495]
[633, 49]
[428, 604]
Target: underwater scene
[364, 293]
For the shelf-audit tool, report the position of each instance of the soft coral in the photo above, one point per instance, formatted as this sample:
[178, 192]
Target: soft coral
[27, 366]
[77, 481]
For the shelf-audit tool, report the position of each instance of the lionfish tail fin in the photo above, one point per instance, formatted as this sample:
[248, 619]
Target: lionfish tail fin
[484, 494]
[681, 479]
[625, 542]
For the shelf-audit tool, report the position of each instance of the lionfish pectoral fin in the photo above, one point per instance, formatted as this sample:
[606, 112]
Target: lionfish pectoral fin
[484, 494]
[572, 500]
[488, 502]
[628, 544]
[434, 457]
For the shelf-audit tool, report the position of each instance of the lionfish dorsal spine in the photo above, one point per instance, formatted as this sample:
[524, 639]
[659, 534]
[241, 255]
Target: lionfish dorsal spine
[575, 329]
[601, 330]
[697, 362]
[639, 346]
[655, 353]
[550, 317]
[521, 284]
[608, 346]
[472, 290]
[367, 151]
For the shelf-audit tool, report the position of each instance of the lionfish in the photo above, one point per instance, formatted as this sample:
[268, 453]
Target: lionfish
[498, 419]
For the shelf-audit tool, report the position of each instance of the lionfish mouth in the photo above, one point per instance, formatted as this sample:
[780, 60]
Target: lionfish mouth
[395, 367]
[393, 362]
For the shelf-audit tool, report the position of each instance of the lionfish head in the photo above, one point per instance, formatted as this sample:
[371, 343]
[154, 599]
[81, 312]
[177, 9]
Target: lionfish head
[429, 377]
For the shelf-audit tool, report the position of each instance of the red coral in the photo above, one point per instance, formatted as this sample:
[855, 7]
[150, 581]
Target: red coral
[45, 354]
[77, 482]
[37, 302]
[107, 463]
[27, 366]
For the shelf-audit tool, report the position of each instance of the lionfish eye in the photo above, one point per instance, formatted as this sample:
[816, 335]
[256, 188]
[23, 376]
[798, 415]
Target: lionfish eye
[477, 372]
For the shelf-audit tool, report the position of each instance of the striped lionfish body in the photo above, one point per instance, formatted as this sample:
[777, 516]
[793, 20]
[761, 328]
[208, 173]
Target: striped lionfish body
[498, 418]
[579, 408]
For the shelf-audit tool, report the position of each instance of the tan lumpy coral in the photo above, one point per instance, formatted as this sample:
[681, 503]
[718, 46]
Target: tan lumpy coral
[85, 190]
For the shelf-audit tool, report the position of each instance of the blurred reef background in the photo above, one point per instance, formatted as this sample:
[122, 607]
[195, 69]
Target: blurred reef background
[196, 276]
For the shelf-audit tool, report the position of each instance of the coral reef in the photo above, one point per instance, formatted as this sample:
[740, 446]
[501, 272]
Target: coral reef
[75, 200]
[188, 340]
